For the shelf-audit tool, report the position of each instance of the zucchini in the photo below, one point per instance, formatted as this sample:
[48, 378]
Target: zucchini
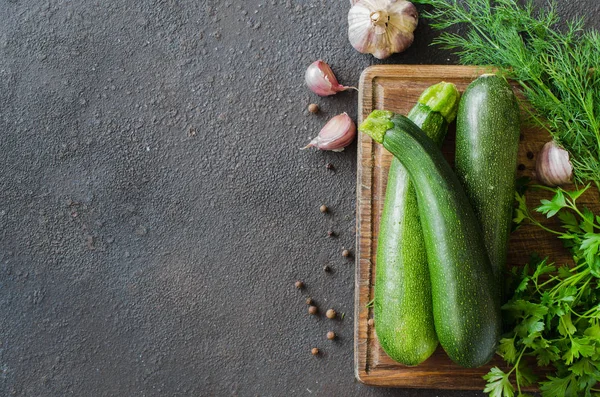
[487, 141]
[402, 304]
[466, 309]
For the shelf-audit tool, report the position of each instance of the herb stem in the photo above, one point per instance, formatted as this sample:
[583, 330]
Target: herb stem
[542, 187]
[582, 289]
[516, 367]
[536, 223]
[585, 219]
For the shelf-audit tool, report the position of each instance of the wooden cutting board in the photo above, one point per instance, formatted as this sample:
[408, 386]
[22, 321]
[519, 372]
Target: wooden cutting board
[397, 88]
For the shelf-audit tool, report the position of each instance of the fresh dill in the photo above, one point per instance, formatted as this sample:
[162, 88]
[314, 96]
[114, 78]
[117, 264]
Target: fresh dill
[555, 65]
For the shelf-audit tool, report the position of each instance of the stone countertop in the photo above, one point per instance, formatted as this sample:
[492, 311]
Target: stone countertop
[155, 210]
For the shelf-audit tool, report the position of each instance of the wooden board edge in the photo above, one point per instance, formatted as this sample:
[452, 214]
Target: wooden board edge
[364, 149]
[389, 378]
[371, 73]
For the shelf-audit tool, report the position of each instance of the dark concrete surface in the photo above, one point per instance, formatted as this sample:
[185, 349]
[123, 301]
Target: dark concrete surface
[155, 210]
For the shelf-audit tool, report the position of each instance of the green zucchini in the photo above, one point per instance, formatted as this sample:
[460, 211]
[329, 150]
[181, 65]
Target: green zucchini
[466, 309]
[487, 141]
[402, 304]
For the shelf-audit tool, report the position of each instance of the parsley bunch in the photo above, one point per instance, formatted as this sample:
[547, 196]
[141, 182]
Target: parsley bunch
[555, 310]
[556, 66]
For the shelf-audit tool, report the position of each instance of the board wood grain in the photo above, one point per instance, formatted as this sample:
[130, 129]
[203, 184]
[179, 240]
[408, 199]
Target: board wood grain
[397, 88]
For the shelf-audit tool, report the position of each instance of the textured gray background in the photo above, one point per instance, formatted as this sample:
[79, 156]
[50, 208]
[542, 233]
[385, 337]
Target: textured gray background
[155, 210]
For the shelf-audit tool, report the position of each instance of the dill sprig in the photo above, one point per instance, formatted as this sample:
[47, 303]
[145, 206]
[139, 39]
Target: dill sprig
[554, 64]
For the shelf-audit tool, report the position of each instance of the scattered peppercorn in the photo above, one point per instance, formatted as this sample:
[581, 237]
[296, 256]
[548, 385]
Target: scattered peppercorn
[345, 253]
[521, 167]
[312, 310]
[326, 269]
[314, 351]
[530, 155]
[330, 233]
[331, 335]
[313, 108]
[309, 301]
[330, 313]
[371, 322]
[329, 166]
[299, 284]
[323, 209]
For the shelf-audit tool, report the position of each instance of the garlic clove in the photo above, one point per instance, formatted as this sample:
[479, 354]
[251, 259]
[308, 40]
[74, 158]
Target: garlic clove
[321, 80]
[338, 133]
[382, 27]
[553, 167]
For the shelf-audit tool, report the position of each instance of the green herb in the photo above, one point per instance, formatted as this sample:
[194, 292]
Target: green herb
[555, 68]
[555, 311]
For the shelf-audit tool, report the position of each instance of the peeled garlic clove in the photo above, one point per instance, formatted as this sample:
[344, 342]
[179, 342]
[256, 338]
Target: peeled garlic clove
[553, 167]
[338, 133]
[321, 80]
[382, 27]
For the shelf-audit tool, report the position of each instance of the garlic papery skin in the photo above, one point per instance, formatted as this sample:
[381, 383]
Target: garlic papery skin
[382, 27]
[338, 133]
[553, 167]
[321, 80]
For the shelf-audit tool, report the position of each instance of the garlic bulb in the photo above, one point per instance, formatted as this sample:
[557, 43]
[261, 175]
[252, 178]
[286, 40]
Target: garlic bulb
[382, 27]
[552, 166]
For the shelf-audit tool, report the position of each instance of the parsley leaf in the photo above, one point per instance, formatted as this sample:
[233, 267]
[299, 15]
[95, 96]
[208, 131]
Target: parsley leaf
[590, 247]
[565, 325]
[588, 221]
[554, 312]
[507, 350]
[559, 387]
[543, 268]
[525, 375]
[569, 221]
[579, 347]
[526, 308]
[547, 355]
[585, 366]
[520, 213]
[551, 207]
[498, 384]
[577, 193]
[593, 331]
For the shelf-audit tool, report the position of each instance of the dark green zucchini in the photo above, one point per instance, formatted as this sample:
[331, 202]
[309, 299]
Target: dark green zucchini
[487, 141]
[402, 307]
[466, 308]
